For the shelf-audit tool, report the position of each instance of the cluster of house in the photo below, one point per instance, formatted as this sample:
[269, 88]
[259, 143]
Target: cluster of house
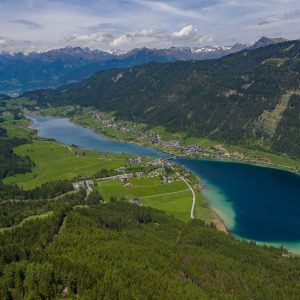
[82, 184]
[195, 150]
[174, 144]
[218, 151]
[135, 160]
[111, 123]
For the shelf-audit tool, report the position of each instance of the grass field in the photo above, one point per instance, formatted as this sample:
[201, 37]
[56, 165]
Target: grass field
[56, 161]
[16, 128]
[173, 198]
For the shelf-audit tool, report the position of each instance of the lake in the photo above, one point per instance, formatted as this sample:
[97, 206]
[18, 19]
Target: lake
[256, 203]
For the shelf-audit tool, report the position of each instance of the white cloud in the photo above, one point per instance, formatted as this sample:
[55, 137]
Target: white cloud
[280, 20]
[185, 32]
[3, 42]
[163, 7]
[27, 23]
[136, 23]
[143, 36]
[90, 39]
[205, 39]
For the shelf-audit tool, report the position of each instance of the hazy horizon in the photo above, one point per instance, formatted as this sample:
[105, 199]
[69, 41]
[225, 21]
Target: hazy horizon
[31, 25]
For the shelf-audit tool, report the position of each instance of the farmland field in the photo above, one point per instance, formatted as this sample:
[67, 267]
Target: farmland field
[56, 161]
[174, 198]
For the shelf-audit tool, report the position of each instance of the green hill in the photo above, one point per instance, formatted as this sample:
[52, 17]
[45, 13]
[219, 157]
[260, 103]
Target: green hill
[250, 98]
[122, 251]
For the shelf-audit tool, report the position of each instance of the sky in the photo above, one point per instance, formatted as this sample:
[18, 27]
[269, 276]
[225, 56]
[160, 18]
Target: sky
[31, 25]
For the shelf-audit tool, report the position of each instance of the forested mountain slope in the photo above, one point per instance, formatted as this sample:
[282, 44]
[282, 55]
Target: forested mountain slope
[122, 251]
[251, 97]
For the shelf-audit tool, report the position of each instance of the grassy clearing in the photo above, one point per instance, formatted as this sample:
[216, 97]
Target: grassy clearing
[57, 161]
[173, 198]
[178, 205]
[168, 136]
[15, 128]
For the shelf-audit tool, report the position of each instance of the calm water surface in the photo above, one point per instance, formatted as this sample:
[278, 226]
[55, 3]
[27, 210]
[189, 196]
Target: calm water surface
[256, 203]
[66, 132]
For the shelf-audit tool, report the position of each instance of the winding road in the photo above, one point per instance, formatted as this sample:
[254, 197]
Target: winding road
[194, 197]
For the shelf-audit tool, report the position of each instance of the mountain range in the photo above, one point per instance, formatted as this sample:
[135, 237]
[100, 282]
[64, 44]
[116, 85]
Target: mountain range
[251, 97]
[20, 72]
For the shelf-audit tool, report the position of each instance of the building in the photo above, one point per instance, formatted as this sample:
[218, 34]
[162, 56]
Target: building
[135, 161]
[78, 185]
[125, 176]
[135, 201]
[157, 162]
[169, 179]
[265, 159]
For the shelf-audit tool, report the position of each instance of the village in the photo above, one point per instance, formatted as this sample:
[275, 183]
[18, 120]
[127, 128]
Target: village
[157, 170]
[108, 124]
[148, 137]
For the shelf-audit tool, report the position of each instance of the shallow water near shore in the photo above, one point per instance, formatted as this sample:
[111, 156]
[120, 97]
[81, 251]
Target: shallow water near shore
[256, 203]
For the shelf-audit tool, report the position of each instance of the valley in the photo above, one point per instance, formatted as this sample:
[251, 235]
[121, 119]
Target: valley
[168, 209]
[226, 186]
[178, 143]
[225, 100]
[57, 161]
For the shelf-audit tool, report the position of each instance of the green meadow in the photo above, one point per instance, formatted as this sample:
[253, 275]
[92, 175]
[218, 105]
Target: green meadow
[174, 198]
[55, 161]
[15, 128]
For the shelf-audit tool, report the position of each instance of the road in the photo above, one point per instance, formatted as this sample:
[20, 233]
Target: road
[194, 197]
[89, 188]
[113, 177]
[151, 196]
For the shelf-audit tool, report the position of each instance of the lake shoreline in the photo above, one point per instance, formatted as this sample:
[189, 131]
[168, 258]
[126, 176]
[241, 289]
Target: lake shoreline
[237, 161]
[218, 221]
[242, 161]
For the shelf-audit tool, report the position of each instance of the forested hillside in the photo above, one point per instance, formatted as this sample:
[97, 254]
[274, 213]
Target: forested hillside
[10, 162]
[122, 251]
[250, 98]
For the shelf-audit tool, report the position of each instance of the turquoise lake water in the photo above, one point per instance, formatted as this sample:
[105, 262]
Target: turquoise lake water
[256, 203]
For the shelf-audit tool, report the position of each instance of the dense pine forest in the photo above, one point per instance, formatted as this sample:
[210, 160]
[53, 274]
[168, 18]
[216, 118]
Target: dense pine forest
[121, 251]
[11, 163]
[250, 98]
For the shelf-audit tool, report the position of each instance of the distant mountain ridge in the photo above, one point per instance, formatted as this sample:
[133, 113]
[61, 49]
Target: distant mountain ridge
[20, 72]
[265, 41]
[251, 97]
